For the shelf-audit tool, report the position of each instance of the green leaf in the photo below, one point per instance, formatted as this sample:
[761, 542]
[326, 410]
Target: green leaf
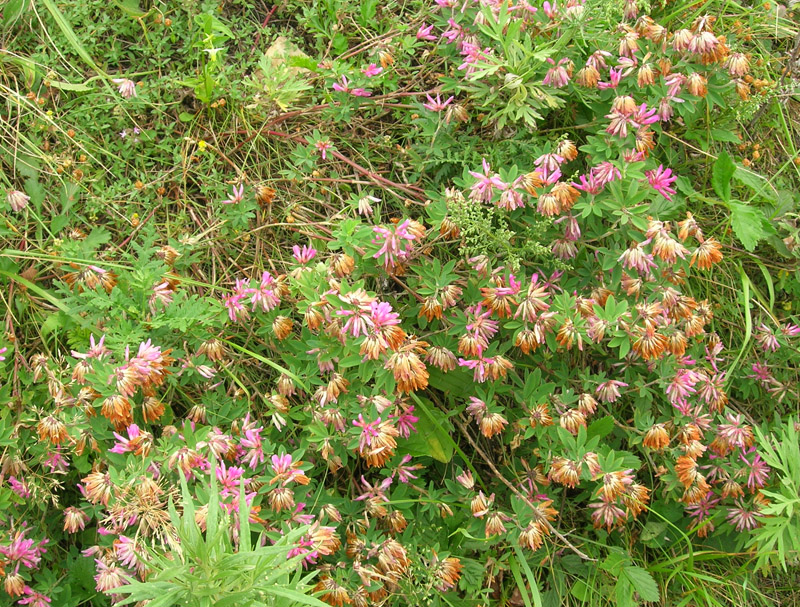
[354, 360]
[98, 236]
[747, 224]
[615, 561]
[167, 598]
[601, 427]
[213, 502]
[294, 595]
[58, 223]
[69, 34]
[721, 176]
[623, 593]
[471, 576]
[643, 583]
[13, 11]
[244, 522]
[69, 86]
[724, 135]
[533, 583]
[36, 191]
[369, 9]
[431, 438]
[54, 321]
[455, 383]
[580, 590]
[751, 179]
[520, 582]
[49, 297]
[269, 362]
[653, 530]
[132, 8]
[744, 295]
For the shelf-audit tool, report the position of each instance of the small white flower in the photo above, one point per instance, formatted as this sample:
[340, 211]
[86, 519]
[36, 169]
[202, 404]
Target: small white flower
[127, 88]
[18, 200]
[213, 52]
[364, 206]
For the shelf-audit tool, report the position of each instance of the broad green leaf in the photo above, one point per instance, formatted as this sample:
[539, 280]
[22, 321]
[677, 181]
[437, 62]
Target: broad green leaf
[431, 438]
[469, 536]
[751, 179]
[624, 347]
[58, 223]
[454, 384]
[354, 360]
[132, 8]
[724, 135]
[653, 530]
[623, 593]
[601, 427]
[36, 191]
[31, 73]
[54, 321]
[98, 236]
[747, 224]
[580, 590]
[13, 10]
[643, 583]
[615, 561]
[721, 176]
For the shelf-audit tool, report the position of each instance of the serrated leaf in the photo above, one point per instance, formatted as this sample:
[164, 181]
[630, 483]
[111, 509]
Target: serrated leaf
[747, 224]
[751, 179]
[643, 583]
[98, 236]
[36, 191]
[58, 223]
[54, 321]
[573, 564]
[623, 593]
[615, 561]
[721, 176]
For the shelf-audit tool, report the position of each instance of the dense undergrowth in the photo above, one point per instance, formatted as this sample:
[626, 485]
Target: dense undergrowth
[405, 303]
